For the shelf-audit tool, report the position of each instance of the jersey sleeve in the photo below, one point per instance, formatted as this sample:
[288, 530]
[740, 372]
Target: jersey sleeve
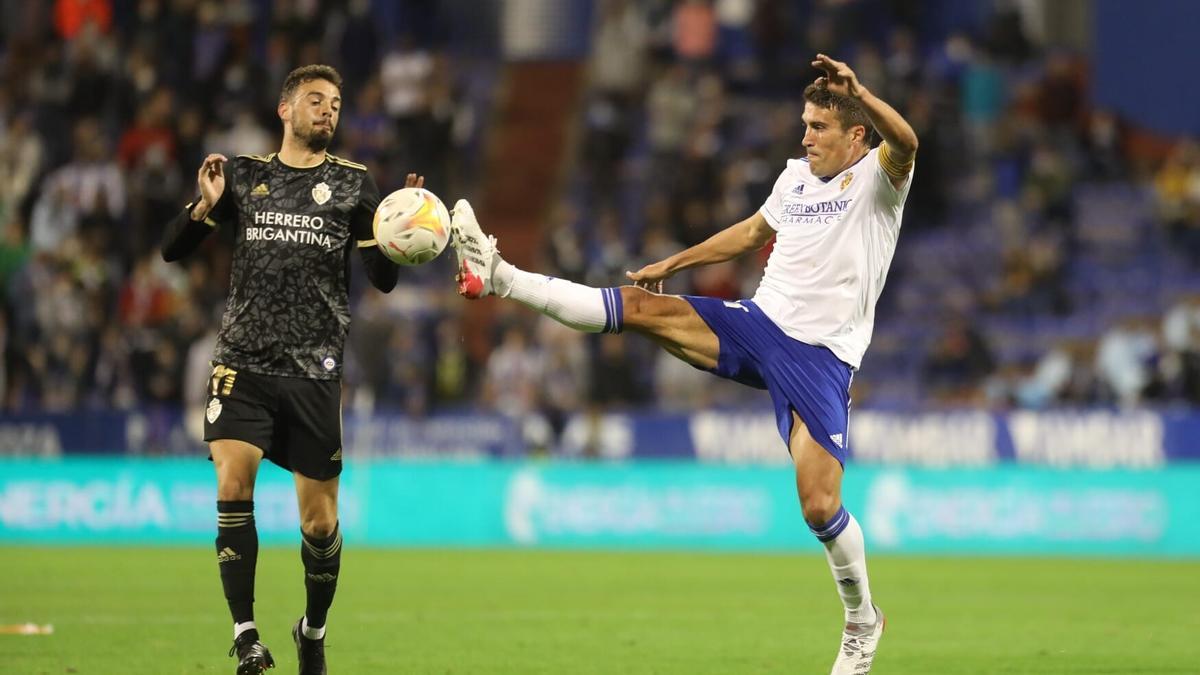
[772, 209]
[889, 195]
[183, 235]
[382, 272]
[363, 218]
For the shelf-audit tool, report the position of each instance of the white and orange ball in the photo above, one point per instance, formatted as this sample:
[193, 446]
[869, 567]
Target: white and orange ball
[412, 226]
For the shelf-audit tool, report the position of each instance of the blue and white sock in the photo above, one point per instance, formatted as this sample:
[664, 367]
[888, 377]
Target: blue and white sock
[592, 310]
[846, 552]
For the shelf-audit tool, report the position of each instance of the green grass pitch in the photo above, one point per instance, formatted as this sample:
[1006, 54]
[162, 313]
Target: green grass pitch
[464, 612]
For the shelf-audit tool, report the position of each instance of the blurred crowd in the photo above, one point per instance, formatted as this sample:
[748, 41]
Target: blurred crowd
[107, 109]
[1043, 261]
[1049, 252]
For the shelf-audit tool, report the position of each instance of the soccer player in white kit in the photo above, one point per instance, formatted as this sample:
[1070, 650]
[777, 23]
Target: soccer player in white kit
[835, 215]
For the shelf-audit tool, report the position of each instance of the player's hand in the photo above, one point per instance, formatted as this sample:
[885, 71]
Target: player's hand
[414, 180]
[651, 277]
[211, 181]
[838, 78]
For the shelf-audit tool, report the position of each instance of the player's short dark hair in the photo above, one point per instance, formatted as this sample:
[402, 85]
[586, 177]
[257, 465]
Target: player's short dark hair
[303, 74]
[849, 112]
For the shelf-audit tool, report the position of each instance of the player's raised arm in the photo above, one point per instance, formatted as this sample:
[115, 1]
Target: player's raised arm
[187, 229]
[899, 149]
[734, 241]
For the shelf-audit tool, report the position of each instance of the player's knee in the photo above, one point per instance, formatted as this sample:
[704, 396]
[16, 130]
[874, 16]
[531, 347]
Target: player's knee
[820, 508]
[318, 525]
[638, 306]
[234, 488]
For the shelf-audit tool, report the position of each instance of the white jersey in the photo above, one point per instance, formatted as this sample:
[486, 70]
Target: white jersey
[833, 246]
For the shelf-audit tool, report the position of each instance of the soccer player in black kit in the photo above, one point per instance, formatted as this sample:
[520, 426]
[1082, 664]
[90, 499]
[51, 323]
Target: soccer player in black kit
[275, 390]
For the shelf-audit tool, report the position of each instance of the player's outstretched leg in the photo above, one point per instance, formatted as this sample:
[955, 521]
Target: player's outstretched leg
[253, 656]
[310, 653]
[481, 272]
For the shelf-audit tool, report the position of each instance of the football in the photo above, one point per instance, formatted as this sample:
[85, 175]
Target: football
[412, 226]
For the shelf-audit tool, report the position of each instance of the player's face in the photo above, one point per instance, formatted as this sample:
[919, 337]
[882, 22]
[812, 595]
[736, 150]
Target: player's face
[830, 147]
[314, 113]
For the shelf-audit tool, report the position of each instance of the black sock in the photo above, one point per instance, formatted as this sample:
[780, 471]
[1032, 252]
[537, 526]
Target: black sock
[237, 556]
[322, 558]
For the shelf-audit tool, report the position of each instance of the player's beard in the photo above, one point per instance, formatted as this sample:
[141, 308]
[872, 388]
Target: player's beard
[316, 138]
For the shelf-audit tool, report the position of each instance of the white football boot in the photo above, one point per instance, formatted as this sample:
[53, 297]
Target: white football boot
[476, 252]
[859, 641]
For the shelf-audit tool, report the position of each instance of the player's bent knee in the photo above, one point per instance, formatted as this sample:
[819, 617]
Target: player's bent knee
[235, 481]
[643, 309]
[820, 508]
[231, 488]
[633, 306]
[319, 525]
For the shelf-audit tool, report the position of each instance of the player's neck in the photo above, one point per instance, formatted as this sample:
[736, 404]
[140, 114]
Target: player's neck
[854, 159]
[296, 155]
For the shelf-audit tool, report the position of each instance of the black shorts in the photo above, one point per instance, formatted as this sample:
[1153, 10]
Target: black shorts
[297, 422]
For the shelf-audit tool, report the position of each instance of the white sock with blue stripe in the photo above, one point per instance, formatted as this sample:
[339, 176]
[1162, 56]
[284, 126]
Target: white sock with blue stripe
[846, 552]
[592, 310]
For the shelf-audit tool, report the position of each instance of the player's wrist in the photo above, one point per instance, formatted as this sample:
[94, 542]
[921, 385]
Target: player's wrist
[861, 93]
[199, 211]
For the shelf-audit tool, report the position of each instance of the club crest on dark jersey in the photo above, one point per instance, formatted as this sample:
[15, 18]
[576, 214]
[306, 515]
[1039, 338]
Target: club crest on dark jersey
[321, 193]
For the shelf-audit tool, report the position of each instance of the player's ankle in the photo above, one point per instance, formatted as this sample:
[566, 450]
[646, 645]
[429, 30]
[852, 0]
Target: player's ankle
[243, 632]
[864, 618]
[311, 632]
[503, 273]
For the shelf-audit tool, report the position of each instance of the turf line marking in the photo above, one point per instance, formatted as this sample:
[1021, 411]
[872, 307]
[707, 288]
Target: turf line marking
[27, 629]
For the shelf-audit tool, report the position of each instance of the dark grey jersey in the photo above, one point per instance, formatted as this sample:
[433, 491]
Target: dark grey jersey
[288, 309]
